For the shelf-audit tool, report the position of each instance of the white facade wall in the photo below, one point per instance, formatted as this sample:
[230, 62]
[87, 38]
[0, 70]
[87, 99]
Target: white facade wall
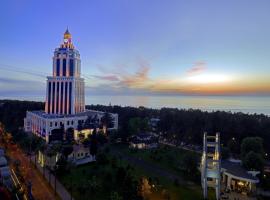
[42, 125]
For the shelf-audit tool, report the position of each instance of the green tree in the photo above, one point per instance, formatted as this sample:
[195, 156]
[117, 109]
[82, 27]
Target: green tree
[225, 153]
[254, 144]
[93, 144]
[67, 150]
[253, 161]
[115, 196]
[106, 120]
[190, 164]
[233, 146]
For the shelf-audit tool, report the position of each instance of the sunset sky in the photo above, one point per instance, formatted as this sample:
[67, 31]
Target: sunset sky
[139, 47]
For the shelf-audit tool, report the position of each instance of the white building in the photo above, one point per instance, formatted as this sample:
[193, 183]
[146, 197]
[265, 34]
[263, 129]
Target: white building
[65, 96]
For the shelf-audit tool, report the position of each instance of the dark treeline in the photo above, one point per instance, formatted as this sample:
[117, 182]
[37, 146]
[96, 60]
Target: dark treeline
[182, 125]
[189, 125]
[12, 112]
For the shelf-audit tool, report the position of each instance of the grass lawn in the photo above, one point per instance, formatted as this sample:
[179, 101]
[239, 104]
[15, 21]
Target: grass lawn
[166, 157]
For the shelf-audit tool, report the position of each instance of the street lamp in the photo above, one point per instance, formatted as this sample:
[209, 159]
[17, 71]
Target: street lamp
[55, 180]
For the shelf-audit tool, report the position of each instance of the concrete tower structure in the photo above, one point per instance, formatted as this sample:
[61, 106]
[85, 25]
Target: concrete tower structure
[211, 164]
[65, 89]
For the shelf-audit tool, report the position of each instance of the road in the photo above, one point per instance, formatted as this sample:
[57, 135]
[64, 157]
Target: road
[40, 188]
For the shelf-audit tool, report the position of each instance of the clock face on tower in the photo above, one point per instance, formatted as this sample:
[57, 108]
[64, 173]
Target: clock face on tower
[65, 40]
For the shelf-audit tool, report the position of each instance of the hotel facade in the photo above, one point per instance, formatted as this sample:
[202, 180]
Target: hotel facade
[65, 96]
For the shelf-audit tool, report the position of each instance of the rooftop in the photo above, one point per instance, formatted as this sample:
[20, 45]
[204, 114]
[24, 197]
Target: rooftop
[237, 170]
[43, 114]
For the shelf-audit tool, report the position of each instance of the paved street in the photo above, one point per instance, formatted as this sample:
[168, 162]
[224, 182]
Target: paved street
[61, 190]
[40, 188]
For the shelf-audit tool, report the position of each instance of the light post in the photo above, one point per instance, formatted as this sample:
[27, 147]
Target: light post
[55, 180]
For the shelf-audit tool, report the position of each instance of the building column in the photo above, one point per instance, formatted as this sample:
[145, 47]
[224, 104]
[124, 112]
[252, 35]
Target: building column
[47, 97]
[229, 180]
[50, 109]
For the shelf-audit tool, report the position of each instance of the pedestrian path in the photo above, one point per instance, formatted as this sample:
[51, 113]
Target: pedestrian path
[60, 189]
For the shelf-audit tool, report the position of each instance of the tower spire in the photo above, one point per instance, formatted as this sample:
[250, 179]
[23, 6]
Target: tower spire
[67, 40]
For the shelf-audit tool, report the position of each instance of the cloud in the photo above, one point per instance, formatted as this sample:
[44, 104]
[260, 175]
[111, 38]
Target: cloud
[198, 67]
[139, 79]
[107, 77]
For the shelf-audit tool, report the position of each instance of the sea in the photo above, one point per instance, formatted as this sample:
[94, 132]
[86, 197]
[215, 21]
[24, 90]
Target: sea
[246, 104]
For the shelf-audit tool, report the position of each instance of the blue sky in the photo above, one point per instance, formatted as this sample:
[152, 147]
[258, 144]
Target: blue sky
[139, 47]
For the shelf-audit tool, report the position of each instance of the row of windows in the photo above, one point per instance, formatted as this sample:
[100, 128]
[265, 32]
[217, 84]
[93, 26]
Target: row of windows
[71, 67]
[82, 154]
[61, 123]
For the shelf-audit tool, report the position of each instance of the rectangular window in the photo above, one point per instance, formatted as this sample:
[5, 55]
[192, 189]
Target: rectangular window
[50, 124]
[70, 95]
[57, 67]
[53, 97]
[49, 97]
[66, 97]
[64, 67]
[71, 67]
[61, 96]
[57, 97]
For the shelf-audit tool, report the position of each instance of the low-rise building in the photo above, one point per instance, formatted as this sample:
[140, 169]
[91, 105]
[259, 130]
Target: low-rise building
[236, 178]
[143, 141]
[80, 155]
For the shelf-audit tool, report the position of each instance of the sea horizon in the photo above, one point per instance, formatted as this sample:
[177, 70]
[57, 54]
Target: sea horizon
[249, 104]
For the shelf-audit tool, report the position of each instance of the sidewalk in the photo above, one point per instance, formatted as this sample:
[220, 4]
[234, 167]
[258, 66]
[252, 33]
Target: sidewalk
[60, 189]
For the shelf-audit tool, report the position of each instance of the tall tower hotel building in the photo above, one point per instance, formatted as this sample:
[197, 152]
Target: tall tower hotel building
[65, 89]
[65, 96]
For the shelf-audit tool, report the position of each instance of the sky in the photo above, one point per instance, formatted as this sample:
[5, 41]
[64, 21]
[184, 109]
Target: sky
[136, 47]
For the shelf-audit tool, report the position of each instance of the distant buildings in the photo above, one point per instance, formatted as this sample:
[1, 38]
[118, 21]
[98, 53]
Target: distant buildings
[79, 155]
[65, 97]
[143, 141]
[5, 173]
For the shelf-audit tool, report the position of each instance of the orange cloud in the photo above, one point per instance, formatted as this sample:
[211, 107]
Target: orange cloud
[197, 81]
[198, 67]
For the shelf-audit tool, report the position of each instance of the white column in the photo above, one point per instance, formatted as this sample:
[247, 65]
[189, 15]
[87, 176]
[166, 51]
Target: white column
[67, 67]
[229, 180]
[54, 66]
[47, 97]
[50, 111]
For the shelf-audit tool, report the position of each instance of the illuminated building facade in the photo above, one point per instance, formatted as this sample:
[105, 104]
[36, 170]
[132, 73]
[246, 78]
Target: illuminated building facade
[65, 97]
[65, 89]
